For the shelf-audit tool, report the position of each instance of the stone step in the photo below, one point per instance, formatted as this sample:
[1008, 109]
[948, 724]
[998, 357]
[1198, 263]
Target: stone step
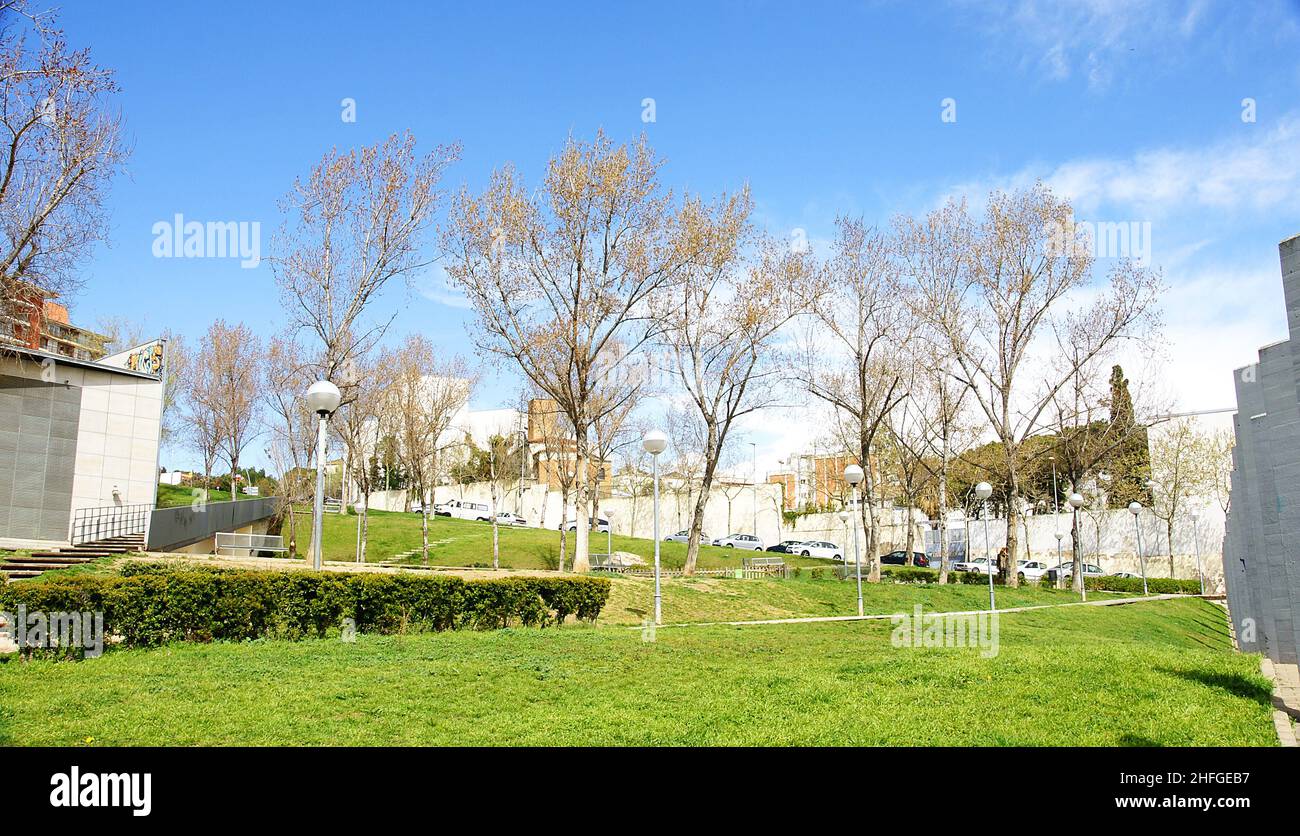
[39, 565]
[79, 556]
[39, 557]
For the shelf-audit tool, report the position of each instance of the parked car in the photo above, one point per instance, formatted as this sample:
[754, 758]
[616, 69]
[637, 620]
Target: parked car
[1031, 570]
[685, 537]
[899, 558]
[1066, 570]
[509, 518]
[786, 547]
[1123, 575]
[602, 525]
[740, 541]
[980, 565]
[818, 548]
[462, 510]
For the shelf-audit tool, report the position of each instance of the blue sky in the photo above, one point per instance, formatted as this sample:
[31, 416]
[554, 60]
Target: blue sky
[1132, 108]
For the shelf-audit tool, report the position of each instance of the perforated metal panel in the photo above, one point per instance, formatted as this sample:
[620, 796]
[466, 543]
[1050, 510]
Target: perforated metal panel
[38, 450]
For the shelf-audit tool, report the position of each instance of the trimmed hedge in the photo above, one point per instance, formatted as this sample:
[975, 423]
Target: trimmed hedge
[1157, 586]
[149, 604]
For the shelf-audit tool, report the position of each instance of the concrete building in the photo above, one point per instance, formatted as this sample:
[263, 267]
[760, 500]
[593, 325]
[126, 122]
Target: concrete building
[78, 438]
[31, 319]
[1261, 562]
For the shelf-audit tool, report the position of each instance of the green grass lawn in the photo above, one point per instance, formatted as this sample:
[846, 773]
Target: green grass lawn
[631, 600]
[1160, 672]
[468, 543]
[170, 496]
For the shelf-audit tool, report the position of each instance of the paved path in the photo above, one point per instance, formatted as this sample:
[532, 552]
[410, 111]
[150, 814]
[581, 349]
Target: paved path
[1108, 602]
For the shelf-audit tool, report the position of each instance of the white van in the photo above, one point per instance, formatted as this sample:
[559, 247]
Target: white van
[464, 510]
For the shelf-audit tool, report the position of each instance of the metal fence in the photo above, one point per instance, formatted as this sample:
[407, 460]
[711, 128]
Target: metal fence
[236, 542]
[91, 524]
[172, 528]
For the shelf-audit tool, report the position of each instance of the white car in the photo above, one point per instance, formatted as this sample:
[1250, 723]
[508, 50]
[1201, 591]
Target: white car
[1031, 570]
[685, 537]
[602, 525]
[979, 564]
[1090, 570]
[740, 541]
[508, 518]
[818, 548]
[464, 510]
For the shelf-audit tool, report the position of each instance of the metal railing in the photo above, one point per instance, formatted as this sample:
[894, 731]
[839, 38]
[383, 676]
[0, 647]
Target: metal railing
[234, 541]
[91, 524]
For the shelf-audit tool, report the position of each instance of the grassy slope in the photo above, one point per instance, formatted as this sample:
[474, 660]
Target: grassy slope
[631, 600]
[170, 496]
[1154, 673]
[468, 543]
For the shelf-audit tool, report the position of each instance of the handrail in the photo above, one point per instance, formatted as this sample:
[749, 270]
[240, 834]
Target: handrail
[91, 524]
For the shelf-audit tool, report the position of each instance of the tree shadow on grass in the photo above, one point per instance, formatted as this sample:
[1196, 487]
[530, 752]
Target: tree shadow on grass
[1137, 740]
[1234, 683]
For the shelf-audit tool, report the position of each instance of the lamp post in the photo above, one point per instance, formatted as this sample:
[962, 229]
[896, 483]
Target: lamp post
[853, 475]
[609, 533]
[1059, 536]
[323, 398]
[844, 520]
[1135, 508]
[754, 450]
[1196, 539]
[982, 492]
[655, 443]
[1076, 502]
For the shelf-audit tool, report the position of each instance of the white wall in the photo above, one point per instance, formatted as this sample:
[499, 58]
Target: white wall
[117, 438]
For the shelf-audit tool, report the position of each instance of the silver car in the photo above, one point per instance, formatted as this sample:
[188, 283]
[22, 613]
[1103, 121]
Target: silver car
[740, 541]
[685, 537]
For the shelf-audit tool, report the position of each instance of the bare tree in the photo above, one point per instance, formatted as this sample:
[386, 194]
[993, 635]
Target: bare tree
[60, 147]
[562, 276]
[426, 392]
[852, 352]
[1184, 470]
[1012, 317]
[292, 426]
[721, 321]
[231, 359]
[355, 224]
[557, 463]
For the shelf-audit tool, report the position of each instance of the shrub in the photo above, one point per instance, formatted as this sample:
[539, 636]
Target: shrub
[818, 573]
[1158, 586]
[909, 574]
[152, 604]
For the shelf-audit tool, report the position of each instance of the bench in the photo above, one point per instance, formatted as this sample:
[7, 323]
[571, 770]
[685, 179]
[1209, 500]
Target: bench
[603, 563]
[250, 543]
[753, 567]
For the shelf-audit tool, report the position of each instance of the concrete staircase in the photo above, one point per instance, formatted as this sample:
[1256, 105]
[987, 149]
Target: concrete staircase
[17, 568]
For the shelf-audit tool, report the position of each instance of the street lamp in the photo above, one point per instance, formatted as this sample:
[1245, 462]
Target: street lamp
[609, 533]
[1135, 508]
[1196, 538]
[323, 398]
[754, 447]
[983, 492]
[853, 475]
[655, 443]
[1076, 502]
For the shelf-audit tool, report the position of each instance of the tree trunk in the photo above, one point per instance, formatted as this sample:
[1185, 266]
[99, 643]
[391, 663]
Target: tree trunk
[424, 528]
[869, 545]
[1013, 520]
[1169, 538]
[581, 558]
[943, 512]
[711, 453]
[909, 539]
[564, 525]
[365, 528]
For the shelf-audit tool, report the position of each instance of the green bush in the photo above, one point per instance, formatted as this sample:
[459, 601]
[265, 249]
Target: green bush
[1157, 586]
[908, 574]
[149, 605]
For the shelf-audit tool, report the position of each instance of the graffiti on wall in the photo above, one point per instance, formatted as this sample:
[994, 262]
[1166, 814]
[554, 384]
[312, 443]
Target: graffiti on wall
[147, 359]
